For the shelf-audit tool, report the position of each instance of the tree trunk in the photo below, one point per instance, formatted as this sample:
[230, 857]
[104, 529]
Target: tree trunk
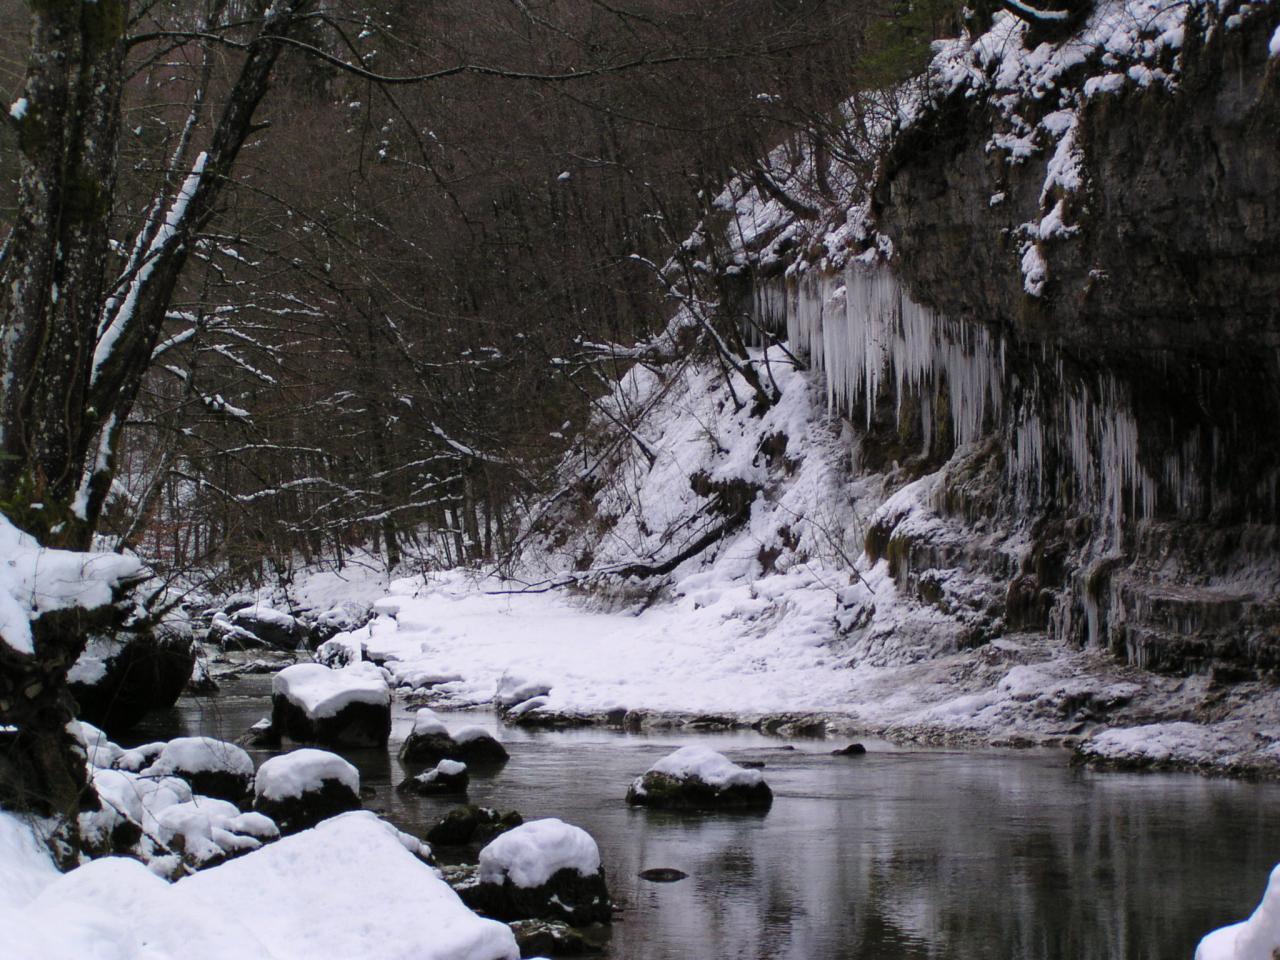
[72, 352]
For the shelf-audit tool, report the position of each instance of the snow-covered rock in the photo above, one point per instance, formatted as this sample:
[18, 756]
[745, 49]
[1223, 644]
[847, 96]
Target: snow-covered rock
[274, 628]
[1257, 938]
[349, 888]
[206, 830]
[35, 580]
[350, 706]
[303, 787]
[341, 618]
[514, 690]
[430, 742]
[121, 677]
[446, 777]
[214, 768]
[478, 747]
[544, 869]
[698, 778]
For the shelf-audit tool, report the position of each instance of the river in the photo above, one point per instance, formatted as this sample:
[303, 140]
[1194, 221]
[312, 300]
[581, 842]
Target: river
[896, 855]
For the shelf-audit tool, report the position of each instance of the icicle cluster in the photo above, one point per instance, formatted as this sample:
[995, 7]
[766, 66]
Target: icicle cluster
[875, 345]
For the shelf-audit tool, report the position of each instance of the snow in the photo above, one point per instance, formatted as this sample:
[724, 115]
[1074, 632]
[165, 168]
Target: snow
[347, 888]
[18, 109]
[303, 771]
[470, 733]
[205, 829]
[1257, 938]
[35, 580]
[532, 853]
[323, 692]
[449, 768]
[427, 723]
[1273, 48]
[714, 769]
[200, 755]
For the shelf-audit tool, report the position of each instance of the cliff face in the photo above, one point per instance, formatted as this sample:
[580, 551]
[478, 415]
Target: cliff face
[1076, 333]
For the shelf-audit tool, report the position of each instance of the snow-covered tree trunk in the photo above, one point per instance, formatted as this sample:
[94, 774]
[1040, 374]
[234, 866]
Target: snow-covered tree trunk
[74, 346]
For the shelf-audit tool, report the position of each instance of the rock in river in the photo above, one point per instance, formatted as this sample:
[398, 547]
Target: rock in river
[542, 870]
[349, 707]
[697, 778]
[299, 789]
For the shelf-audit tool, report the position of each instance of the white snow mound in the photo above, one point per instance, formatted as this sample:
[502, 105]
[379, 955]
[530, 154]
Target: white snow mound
[427, 723]
[35, 580]
[347, 888]
[1257, 938]
[703, 763]
[322, 692]
[303, 771]
[200, 755]
[532, 853]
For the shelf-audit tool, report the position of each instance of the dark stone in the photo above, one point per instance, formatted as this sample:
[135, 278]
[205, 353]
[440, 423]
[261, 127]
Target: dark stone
[543, 938]
[435, 783]
[428, 749]
[852, 750]
[280, 632]
[470, 824]
[662, 875]
[221, 784]
[751, 764]
[355, 725]
[261, 734]
[346, 616]
[480, 751]
[664, 792]
[292, 814]
[567, 897]
[145, 671]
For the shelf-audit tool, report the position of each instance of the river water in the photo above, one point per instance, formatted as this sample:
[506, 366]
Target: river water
[897, 855]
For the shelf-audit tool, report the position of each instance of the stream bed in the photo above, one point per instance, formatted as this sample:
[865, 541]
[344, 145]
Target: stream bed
[896, 855]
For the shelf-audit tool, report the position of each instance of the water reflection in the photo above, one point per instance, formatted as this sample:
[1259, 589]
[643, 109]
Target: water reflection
[899, 854]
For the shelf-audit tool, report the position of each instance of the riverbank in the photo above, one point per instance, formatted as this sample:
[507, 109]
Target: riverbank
[765, 654]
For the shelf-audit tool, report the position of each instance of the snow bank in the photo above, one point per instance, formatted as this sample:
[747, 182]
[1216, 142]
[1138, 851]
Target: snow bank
[303, 771]
[348, 888]
[187, 755]
[323, 692]
[35, 580]
[1257, 938]
[533, 853]
[703, 763]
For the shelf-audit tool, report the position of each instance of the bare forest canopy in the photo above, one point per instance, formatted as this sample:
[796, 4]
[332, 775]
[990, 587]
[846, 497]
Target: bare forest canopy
[399, 307]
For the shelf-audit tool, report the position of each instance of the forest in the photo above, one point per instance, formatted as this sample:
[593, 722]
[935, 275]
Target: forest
[414, 410]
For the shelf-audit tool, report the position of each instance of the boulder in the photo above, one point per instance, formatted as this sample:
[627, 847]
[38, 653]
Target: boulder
[214, 768]
[697, 778]
[852, 750]
[120, 678]
[299, 789]
[207, 831]
[542, 870]
[261, 734]
[275, 628]
[346, 616]
[466, 825]
[231, 637]
[514, 690]
[476, 746]
[545, 938]
[447, 777]
[429, 741]
[349, 707]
